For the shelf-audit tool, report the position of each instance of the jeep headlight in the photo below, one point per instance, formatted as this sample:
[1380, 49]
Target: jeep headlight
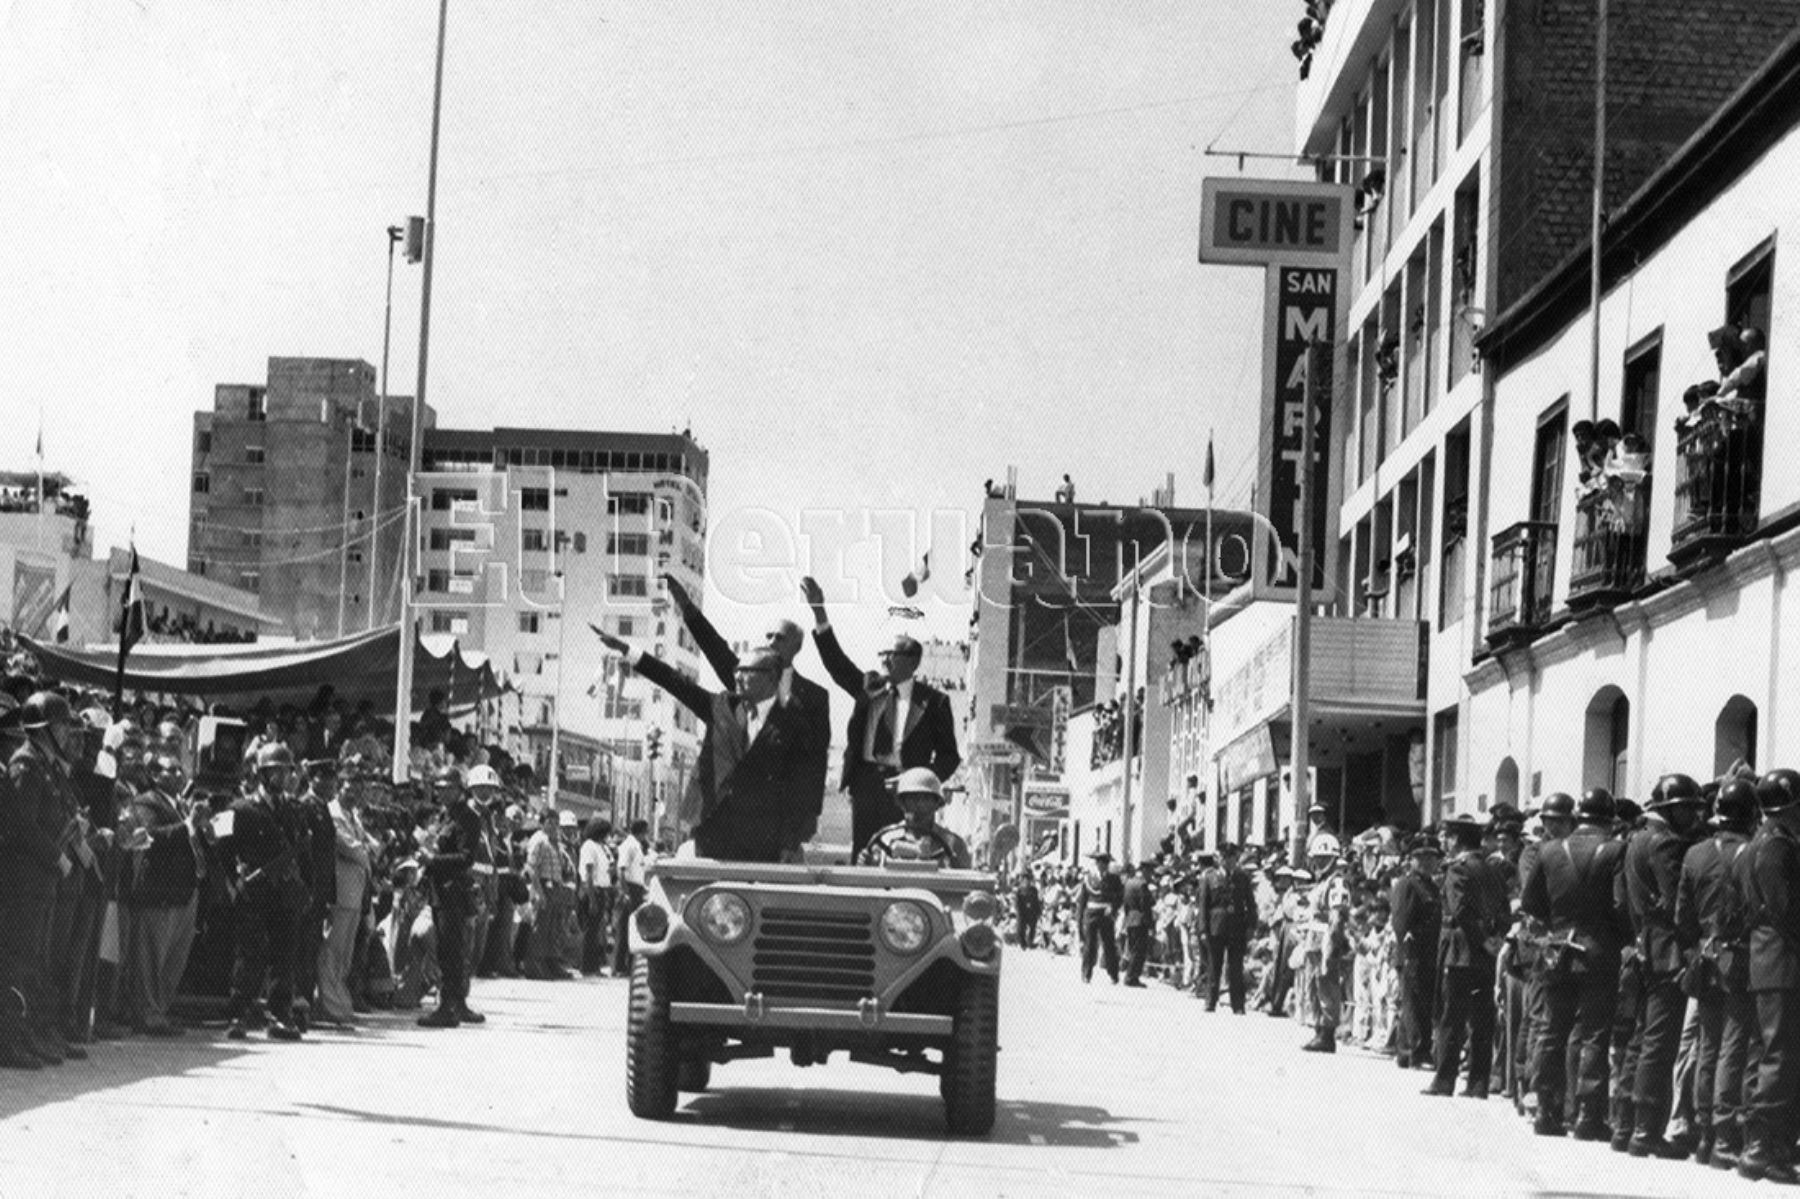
[904, 926]
[979, 906]
[724, 918]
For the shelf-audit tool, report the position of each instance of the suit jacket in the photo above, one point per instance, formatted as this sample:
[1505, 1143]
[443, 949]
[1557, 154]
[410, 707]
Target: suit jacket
[1769, 873]
[748, 802]
[1137, 902]
[1475, 911]
[1573, 885]
[929, 738]
[1225, 904]
[1652, 878]
[1417, 915]
[812, 701]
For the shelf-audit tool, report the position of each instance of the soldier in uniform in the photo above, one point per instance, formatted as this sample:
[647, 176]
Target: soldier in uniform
[1476, 915]
[917, 837]
[1225, 909]
[259, 856]
[450, 857]
[1028, 909]
[1327, 935]
[1652, 876]
[1771, 893]
[1704, 911]
[1572, 886]
[1097, 901]
[1417, 914]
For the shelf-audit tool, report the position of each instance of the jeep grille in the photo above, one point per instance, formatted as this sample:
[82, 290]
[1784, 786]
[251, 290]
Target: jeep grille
[817, 957]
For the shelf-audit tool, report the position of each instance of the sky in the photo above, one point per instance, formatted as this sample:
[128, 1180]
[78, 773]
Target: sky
[873, 255]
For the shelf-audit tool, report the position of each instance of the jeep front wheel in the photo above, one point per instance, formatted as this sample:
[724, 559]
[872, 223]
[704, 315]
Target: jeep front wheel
[650, 1061]
[967, 1083]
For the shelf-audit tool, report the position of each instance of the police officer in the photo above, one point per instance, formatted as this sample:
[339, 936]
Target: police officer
[1704, 917]
[39, 771]
[451, 854]
[1652, 877]
[1417, 915]
[32, 858]
[1097, 900]
[1476, 915]
[917, 836]
[259, 855]
[1572, 886]
[1770, 877]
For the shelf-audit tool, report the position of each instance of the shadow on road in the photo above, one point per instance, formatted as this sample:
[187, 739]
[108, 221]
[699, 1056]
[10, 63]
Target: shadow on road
[909, 1117]
[110, 1064]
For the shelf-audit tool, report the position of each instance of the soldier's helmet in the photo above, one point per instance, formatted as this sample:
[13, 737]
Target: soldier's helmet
[45, 709]
[1777, 789]
[1736, 802]
[1597, 804]
[1672, 789]
[1557, 803]
[920, 780]
[483, 776]
[275, 756]
[1324, 846]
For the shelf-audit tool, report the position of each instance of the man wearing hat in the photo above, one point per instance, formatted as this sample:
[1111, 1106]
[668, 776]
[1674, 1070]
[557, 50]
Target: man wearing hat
[1417, 914]
[1097, 902]
[260, 852]
[918, 837]
[1226, 913]
[1769, 873]
[1652, 879]
[33, 854]
[1476, 915]
[450, 866]
[1137, 905]
[318, 870]
[1572, 885]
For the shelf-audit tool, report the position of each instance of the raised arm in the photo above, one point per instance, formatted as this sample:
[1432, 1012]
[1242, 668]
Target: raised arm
[712, 644]
[843, 672]
[687, 693]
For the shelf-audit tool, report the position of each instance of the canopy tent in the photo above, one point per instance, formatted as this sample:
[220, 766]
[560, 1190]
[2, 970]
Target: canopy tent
[355, 668]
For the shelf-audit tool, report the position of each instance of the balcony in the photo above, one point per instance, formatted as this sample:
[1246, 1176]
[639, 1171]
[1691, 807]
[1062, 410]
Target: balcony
[1609, 544]
[1522, 580]
[1718, 485]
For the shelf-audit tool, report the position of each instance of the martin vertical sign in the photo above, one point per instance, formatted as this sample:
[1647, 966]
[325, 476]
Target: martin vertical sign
[1300, 232]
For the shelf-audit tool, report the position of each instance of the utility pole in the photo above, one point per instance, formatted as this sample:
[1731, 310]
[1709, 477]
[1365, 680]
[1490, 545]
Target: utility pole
[1599, 209]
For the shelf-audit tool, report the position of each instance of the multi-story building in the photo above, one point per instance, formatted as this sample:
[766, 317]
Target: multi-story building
[529, 535]
[1638, 606]
[40, 543]
[283, 497]
[1467, 130]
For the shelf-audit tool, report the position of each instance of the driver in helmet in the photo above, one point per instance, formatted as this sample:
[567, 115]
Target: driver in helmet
[917, 837]
[259, 853]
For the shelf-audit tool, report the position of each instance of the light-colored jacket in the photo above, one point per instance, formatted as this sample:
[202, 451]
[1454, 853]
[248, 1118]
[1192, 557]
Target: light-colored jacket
[354, 852]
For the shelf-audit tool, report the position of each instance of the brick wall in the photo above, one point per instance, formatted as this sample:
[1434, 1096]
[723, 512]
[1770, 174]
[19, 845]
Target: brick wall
[1670, 64]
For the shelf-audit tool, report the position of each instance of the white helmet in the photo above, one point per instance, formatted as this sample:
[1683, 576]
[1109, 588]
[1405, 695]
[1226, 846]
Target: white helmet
[483, 776]
[1324, 846]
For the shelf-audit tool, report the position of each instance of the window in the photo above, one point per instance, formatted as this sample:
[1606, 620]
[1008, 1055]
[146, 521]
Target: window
[528, 622]
[1443, 761]
[362, 441]
[534, 540]
[1643, 373]
[627, 585]
[443, 499]
[203, 441]
[253, 496]
[197, 566]
[1748, 302]
[256, 406]
[252, 538]
[437, 580]
[1547, 464]
[443, 539]
[581, 543]
[626, 625]
[253, 454]
[202, 484]
[250, 580]
[444, 620]
[356, 556]
[631, 545]
[534, 499]
[630, 503]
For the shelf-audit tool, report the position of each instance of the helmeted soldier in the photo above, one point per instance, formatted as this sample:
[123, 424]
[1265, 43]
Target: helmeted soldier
[917, 837]
[1572, 885]
[1706, 916]
[1097, 902]
[1652, 877]
[452, 853]
[1769, 874]
[1476, 916]
[259, 852]
[1327, 941]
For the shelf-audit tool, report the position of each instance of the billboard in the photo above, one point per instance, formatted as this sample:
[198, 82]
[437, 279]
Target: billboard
[33, 595]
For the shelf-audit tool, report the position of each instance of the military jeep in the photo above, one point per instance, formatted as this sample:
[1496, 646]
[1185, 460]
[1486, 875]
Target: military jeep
[895, 965]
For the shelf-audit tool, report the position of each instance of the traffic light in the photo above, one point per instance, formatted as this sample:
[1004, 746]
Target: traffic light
[653, 744]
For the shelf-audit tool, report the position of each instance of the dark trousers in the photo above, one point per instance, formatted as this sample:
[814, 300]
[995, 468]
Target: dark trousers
[1578, 1011]
[1769, 1122]
[1227, 957]
[1137, 951]
[1097, 940]
[497, 948]
[27, 894]
[1027, 932]
[263, 933]
[450, 921]
[593, 930]
[309, 935]
[1627, 1007]
[75, 944]
[1661, 1008]
[1740, 1051]
[1465, 1009]
[630, 896]
[1284, 973]
[1418, 984]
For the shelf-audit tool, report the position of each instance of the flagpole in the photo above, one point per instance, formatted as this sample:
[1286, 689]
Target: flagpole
[40, 473]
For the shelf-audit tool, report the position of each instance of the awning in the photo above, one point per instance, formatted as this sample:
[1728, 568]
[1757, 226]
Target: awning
[355, 668]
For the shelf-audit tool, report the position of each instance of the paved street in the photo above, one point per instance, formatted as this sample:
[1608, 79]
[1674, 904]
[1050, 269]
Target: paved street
[1100, 1088]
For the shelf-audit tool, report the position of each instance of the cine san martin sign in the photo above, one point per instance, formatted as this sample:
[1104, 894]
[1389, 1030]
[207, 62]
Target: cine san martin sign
[1300, 233]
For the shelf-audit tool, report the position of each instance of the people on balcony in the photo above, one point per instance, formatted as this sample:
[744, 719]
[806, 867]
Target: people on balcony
[1717, 429]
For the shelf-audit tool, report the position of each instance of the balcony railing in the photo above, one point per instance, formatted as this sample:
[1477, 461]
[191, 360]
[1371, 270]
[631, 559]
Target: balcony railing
[1521, 582]
[1610, 521]
[1718, 486]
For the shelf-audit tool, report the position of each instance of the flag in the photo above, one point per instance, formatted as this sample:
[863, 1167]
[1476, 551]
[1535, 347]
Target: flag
[59, 618]
[1210, 473]
[132, 625]
[909, 586]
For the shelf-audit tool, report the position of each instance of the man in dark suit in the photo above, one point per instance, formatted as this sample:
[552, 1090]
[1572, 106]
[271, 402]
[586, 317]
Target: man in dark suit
[811, 700]
[1476, 915]
[1417, 915]
[747, 800]
[450, 860]
[1226, 914]
[1138, 906]
[1652, 878]
[260, 857]
[899, 722]
[1771, 882]
[1572, 885]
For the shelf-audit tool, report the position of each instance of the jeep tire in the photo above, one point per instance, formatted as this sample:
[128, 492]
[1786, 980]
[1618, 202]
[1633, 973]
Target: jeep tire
[967, 1083]
[650, 1062]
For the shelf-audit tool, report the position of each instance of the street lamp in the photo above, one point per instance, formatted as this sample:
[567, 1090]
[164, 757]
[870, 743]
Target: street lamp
[394, 234]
